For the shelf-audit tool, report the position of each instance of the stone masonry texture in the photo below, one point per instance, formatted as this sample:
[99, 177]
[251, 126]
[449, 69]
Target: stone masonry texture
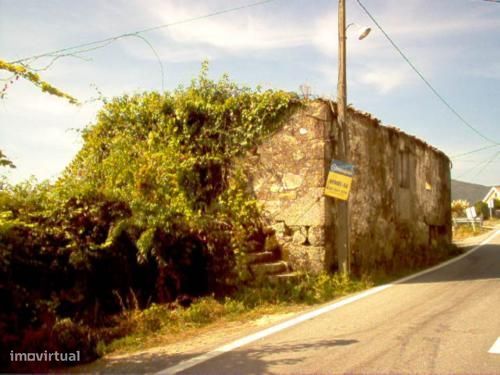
[399, 203]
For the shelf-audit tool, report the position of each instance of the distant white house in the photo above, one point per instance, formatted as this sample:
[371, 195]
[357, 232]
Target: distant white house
[494, 193]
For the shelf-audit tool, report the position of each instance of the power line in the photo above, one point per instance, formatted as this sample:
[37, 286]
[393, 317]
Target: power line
[474, 161]
[473, 151]
[104, 42]
[483, 164]
[487, 164]
[434, 91]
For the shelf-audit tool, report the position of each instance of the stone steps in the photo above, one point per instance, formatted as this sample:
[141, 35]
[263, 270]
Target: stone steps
[265, 263]
[265, 269]
[284, 277]
[261, 257]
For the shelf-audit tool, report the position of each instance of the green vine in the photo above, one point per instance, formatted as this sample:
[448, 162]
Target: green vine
[22, 71]
[154, 205]
[171, 156]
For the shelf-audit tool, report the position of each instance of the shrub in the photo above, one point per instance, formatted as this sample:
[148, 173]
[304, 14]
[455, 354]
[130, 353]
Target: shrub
[496, 204]
[204, 311]
[482, 209]
[69, 337]
[458, 207]
[151, 208]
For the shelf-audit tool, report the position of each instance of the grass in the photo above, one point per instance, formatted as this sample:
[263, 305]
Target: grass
[175, 330]
[492, 222]
[164, 324]
[462, 232]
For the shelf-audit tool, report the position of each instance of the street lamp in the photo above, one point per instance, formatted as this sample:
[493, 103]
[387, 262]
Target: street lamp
[362, 31]
[342, 207]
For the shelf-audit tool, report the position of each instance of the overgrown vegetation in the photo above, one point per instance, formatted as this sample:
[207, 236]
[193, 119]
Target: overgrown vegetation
[165, 323]
[466, 230]
[458, 207]
[153, 209]
[146, 231]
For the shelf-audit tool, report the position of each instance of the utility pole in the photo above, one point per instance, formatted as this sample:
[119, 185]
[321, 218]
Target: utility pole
[342, 207]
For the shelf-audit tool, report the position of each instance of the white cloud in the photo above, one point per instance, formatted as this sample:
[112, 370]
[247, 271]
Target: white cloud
[429, 39]
[445, 36]
[383, 78]
[386, 79]
[234, 32]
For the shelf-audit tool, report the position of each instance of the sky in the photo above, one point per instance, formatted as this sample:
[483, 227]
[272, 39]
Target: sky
[455, 44]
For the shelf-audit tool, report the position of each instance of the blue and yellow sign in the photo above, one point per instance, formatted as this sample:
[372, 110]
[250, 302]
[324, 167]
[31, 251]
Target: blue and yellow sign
[338, 183]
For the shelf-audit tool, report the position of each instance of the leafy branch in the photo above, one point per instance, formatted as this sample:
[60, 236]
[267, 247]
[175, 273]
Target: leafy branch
[4, 162]
[22, 71]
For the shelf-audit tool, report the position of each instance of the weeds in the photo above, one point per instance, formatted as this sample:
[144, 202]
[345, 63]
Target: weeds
[307, 289]
[161, 324]
[170, 321]
[465, 231]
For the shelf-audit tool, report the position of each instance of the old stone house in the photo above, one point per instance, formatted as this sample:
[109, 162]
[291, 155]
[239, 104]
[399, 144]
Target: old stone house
[399, 201]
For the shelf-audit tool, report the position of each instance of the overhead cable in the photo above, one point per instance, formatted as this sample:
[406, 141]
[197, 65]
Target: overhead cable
[103, 42]
[473, 151]
[483, 164]
[487, 164]
[425, 80]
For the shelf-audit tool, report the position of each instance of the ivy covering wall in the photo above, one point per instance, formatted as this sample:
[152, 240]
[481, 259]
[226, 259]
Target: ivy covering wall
[153, 207]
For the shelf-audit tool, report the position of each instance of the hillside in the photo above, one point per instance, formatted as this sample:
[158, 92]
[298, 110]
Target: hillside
[468, 191]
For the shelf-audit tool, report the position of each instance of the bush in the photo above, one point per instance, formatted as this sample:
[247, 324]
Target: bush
[69, 337]
[204, 311]
[497, 204]
[153, 207]
[458, 207]
[482, 209]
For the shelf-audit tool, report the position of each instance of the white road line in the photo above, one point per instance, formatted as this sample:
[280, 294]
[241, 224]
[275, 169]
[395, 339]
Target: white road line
[495, 349]
[184, 365]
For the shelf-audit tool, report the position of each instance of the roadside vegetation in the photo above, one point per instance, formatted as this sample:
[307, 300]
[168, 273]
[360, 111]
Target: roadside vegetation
[154, 209]
[145, 234]
[463, 232]
[467, 230]
[164, 324]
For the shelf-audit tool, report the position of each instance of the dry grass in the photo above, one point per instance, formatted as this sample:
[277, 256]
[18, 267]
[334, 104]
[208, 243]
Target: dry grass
[493, 222]
[462, 232]
[172, 332]
[162, 325]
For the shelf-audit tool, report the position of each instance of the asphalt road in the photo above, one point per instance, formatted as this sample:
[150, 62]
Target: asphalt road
[443, 322]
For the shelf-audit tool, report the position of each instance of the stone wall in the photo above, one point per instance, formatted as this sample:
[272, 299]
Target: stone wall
[288, 172]
[400, 196]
